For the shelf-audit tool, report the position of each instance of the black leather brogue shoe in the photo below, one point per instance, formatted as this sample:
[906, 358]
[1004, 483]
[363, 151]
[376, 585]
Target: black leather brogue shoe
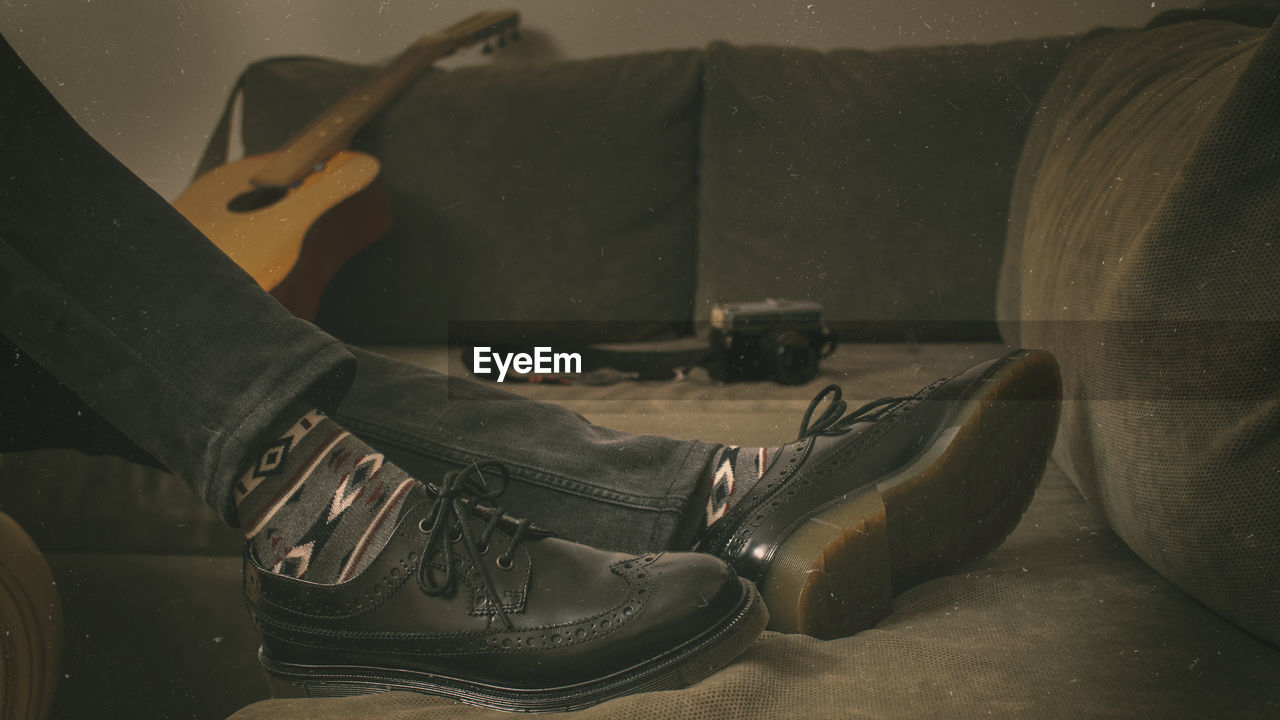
[469, 603]
[869, 503]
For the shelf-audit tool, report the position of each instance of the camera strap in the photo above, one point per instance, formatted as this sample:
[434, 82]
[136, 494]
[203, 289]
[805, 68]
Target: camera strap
[651, 360]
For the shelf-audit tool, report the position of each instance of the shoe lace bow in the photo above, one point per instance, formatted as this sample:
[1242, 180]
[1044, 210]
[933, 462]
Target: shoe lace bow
[447, 523]
[834, 420]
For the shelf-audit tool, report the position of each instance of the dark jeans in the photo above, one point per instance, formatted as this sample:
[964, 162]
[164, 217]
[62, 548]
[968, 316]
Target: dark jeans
[128, 332]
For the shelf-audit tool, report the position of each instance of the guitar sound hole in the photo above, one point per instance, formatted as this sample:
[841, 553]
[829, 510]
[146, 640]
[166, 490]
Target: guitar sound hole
[256, 199]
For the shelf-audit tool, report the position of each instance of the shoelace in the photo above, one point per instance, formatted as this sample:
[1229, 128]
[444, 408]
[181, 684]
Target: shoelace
[446, 523]
[834, 421]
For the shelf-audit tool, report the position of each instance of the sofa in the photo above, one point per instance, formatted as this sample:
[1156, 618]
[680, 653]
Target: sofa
[1112, 197]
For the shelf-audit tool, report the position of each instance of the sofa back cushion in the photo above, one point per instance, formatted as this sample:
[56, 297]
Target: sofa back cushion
[560, 192]
[1143, 252]
[877, 183]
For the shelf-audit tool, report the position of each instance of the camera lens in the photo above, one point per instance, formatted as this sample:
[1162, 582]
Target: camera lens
[793, 358]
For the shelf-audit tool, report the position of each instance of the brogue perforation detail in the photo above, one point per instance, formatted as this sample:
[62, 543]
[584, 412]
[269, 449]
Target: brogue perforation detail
[479, 605]
[330, 607]
[633, 570]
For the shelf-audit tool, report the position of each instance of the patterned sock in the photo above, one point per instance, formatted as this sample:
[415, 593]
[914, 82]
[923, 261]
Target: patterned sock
[319, 503]
[732, 473]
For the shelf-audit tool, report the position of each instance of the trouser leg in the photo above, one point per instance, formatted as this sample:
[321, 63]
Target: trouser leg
[139, 337]
[115, 294]
[587, 483]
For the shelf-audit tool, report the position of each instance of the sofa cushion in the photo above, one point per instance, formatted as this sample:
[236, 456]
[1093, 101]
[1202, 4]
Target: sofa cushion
[1142, 251]
[874, 182]
[559, 192]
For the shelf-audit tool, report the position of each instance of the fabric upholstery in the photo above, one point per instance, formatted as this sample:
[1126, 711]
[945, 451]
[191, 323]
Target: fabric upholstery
[519, 192]
[1142, 251]
[874, 182]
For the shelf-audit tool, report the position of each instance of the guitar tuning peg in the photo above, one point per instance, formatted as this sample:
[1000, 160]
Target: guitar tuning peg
[488, 48]
[502, 41]
[515, 34]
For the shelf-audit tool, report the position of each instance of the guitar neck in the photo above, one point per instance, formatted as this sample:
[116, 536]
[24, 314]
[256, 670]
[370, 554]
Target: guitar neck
[333, 130]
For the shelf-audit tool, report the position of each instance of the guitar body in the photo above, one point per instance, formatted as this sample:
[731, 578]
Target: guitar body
[291, 218]
[291, 240]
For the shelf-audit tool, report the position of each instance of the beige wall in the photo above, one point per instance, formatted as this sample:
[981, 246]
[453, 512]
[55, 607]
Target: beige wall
[147, 77]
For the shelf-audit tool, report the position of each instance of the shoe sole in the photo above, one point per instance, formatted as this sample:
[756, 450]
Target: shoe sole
[679, 667]
[838, 571]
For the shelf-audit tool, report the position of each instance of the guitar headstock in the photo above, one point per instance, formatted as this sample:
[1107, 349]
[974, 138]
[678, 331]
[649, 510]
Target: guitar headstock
[482, 27]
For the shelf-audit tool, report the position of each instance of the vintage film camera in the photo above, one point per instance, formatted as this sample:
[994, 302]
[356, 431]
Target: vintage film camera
[779, 340]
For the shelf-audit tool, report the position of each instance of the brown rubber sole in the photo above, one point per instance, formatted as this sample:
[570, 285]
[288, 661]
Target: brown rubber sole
[958, 500]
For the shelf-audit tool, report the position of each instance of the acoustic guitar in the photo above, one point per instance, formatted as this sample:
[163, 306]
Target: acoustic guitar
[291, 218]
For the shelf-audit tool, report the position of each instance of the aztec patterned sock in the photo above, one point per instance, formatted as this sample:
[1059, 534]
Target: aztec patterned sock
[732, 473]
[319, 503]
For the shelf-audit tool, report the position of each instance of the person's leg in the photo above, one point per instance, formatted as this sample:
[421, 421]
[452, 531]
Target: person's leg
[107, 289]
[111, 291]
[864, 504]
[191, 363]
[587, 483]
[115, 294]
